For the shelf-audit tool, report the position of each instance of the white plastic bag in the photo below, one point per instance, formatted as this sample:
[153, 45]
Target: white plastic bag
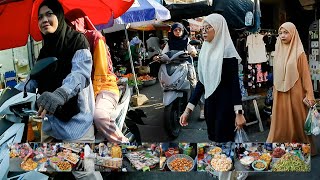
[241, 136]
[312, 123]
[315, 124]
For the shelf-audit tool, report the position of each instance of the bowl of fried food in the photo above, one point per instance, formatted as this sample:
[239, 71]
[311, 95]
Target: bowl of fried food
[180, 163]
[29, 165]
[215, 150]
[42, 160]
[221, 163]
[64, 166]
[259, 165]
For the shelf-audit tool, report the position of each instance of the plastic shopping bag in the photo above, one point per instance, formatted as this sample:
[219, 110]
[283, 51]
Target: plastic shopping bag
[312, 123]
[241, 136]
[315, 125]
[307, 123]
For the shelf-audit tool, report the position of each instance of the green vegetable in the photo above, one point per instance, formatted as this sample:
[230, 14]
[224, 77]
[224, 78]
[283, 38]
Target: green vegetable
[131, 82]
[290, 163]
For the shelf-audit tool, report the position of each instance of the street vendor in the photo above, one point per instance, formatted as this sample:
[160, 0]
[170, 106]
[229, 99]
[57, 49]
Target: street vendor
[66, 96]
[105, 86]
[89, 158]
[26, 151]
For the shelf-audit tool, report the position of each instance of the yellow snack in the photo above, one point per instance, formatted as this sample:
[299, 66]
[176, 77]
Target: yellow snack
[116, 152]
[29, 165]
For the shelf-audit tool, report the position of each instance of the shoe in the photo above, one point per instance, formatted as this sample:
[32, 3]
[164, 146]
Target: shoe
[202, 115]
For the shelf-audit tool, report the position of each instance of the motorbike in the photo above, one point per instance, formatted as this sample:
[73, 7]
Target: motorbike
[15, 108]
[176, 87]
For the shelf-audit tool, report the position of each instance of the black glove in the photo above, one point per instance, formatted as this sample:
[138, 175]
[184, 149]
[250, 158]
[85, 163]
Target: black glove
[50, 101]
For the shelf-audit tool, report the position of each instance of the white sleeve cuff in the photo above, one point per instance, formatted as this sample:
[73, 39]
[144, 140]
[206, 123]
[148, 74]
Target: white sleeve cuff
[190, 106]
[237, 107]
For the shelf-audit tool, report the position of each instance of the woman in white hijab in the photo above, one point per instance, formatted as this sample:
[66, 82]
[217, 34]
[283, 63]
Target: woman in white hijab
[218, 75]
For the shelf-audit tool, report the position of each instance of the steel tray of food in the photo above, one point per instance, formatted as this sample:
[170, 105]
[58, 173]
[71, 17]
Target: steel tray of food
[180, 163]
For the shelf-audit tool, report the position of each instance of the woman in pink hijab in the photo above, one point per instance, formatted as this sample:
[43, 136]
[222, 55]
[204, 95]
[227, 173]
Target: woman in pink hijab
[104, 80]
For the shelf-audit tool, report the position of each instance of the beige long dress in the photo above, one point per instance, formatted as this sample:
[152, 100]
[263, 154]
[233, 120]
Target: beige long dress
[289, 112]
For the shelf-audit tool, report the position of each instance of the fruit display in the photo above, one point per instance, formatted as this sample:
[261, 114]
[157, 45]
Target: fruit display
[29, 165]
[64, 166]
[221, 163]
[131, 82]
[290, 163]
[146, 78]
[278, 152]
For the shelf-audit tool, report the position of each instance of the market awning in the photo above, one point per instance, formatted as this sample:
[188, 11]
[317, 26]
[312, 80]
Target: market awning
[234, 11]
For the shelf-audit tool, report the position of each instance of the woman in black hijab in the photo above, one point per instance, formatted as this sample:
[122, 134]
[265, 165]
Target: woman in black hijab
[66, 96]
[179, 40]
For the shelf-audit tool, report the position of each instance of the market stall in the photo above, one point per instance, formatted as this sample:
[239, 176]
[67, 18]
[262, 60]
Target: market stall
[180, 157]
[288, 157]
[109, 157]
[143, 79]
[142, 158]
[215, 157]
[42, 157]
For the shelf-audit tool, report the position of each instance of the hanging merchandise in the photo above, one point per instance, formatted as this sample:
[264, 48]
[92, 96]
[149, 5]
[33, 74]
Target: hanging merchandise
[270, 57]
[261, 75]
[249, 19]
[313, 53]
[270, 41]
[256, 49]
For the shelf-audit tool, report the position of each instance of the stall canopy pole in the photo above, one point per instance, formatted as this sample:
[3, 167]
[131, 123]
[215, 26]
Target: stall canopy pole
[144, 48]
[131, 61]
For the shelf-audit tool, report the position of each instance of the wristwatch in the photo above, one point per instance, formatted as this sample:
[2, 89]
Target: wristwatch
[240, 111]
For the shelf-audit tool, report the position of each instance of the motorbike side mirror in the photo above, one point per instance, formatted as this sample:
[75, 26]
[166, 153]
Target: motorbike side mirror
[195, 42]
[41, 67]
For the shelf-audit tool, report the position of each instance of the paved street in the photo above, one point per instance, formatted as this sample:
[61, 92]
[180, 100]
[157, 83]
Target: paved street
[196, 131]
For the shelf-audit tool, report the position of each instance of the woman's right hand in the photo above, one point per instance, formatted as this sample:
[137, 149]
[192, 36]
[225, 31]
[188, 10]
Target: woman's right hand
[184, 118]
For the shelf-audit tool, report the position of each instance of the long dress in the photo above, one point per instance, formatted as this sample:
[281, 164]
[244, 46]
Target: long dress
[289, 112]
[219, 106]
